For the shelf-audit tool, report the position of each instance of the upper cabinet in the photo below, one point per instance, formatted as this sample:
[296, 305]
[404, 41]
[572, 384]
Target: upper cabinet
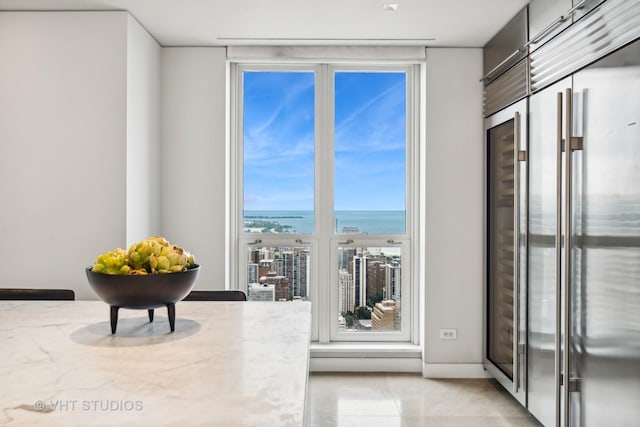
[546, 19]
[506, 47]
[583, 7]
[505, 65]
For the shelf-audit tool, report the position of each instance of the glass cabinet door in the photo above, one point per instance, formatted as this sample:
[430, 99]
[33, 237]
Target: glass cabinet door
[500, 242]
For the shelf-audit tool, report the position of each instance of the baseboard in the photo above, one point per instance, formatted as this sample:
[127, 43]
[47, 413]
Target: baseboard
[454, 370]
[394, 364]
[361, 364]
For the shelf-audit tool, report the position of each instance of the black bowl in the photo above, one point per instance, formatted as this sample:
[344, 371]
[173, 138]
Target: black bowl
[147, 291]
[142, 291]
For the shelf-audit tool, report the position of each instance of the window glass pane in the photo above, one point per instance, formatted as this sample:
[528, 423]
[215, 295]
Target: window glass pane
[277, 273]
[278, 135]
[370, 152]
[369, 282]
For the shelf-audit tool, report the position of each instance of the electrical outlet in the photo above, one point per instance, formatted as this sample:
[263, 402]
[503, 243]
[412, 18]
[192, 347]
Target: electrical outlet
[448, 334]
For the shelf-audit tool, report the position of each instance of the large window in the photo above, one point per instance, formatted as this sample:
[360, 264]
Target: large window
[323, 194]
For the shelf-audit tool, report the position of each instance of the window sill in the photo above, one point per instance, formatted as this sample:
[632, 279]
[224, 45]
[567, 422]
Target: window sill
[365, 357]
[365, 350]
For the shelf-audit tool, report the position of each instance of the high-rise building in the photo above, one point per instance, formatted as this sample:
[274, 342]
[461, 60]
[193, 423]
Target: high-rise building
[254, 256]
[393, 281]
[301, 274]
[266, 253]
[346, 295]
[345, 256]
[376, 278]
[359, 272]
[292, 272]
[281, 285]
[252, 273]
[293, 263]
[264, 267]
[261, 292]
[383, 317]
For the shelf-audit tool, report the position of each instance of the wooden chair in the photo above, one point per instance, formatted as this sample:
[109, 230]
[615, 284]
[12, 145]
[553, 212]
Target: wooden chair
[219, 295]
[36, 294]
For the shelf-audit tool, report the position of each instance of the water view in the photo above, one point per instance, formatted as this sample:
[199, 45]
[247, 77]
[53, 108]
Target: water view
[368, 222]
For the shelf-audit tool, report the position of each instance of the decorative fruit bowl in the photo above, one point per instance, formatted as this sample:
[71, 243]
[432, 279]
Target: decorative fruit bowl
[133, 280]
[141, 292]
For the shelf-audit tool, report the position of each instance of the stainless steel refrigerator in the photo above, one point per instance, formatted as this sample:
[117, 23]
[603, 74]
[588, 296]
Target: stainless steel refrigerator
[583, 339]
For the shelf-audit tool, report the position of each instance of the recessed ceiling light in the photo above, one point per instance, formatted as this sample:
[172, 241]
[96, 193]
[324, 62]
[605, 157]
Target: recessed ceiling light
[390, 7]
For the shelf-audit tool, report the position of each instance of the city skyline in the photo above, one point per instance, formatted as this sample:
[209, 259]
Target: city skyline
[369, 279]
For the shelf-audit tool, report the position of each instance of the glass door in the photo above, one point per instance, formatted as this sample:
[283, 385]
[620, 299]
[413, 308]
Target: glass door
[505, 232]
[500, 246]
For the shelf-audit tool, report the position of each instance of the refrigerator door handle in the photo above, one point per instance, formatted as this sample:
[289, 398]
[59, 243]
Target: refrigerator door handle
[516, 252]
[568, 215]
[558, 249]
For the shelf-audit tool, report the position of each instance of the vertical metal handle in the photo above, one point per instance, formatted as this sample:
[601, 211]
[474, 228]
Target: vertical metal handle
[558, 331]
[516, 253]
[568, 215]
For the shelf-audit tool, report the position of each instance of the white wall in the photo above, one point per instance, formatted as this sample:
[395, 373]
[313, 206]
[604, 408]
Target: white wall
[62, 145]
[143, 133]
[193, 156]
[454, 215]
[79, 139]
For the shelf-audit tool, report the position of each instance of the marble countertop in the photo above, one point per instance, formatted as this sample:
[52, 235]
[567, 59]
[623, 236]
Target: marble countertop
[226, 364]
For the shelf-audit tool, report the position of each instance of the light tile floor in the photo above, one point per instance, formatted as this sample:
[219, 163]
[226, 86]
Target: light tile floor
[408, 400]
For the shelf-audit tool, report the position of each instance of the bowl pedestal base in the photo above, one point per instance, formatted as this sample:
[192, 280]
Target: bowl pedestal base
[171, 313]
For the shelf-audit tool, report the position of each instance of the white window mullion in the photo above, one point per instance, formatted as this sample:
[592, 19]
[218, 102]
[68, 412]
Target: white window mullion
[234, 180]
[417, 198]
[324, 197]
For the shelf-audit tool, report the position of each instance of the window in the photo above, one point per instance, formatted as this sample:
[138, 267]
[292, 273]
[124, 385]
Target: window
[323, 194]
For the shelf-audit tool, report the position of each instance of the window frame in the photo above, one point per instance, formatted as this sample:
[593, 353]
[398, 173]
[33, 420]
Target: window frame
[324, 241]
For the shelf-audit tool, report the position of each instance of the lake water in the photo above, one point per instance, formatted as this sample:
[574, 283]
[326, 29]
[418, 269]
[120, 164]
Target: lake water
[370, 222]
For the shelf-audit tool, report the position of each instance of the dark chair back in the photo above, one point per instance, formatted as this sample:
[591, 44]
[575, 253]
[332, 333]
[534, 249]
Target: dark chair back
[219, 295]
[36, 294]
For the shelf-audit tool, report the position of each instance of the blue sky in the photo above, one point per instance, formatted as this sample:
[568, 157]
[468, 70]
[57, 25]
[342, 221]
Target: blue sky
[369, 141]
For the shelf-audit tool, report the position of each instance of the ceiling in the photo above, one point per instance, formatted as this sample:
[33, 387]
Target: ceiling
[438, 23]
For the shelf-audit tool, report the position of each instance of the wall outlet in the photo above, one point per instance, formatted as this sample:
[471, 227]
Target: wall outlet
[448, 334]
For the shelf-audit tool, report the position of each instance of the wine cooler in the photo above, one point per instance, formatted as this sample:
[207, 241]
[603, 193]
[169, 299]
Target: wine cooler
[505, 296]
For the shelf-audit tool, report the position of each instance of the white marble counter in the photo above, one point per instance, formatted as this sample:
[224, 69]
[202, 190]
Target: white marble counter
[227, 364]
